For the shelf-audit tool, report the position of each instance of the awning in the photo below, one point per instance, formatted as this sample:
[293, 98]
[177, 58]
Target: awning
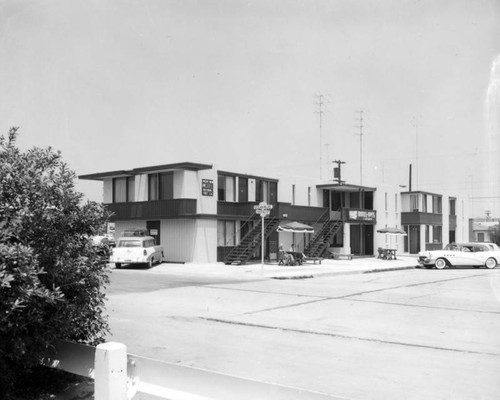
[296, 227]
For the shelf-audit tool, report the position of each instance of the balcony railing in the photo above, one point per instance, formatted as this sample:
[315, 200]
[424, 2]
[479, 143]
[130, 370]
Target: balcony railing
[298, 213]
[155, 209]
[234, 210]
[421, 218]
[280, 210]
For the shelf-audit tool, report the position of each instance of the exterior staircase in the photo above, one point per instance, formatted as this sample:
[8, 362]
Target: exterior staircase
[320, 241]
[241, 254]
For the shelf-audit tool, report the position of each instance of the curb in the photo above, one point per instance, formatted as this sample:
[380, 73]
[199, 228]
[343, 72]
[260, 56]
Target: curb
[339, 273]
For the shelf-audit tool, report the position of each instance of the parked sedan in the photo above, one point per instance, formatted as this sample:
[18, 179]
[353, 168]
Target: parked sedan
[458, 254]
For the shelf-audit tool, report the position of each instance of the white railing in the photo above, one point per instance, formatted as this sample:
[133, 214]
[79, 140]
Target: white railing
[120, 376]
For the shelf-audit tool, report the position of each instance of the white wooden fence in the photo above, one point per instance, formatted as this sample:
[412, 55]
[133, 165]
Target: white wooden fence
[120, 376]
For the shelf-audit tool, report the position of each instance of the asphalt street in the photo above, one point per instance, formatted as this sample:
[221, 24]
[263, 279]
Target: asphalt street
[411, 333]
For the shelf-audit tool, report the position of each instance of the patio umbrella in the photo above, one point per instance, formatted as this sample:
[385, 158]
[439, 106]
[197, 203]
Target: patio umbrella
[295, 227]
[392, 231]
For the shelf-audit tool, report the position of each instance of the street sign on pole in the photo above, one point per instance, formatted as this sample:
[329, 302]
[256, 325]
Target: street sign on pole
[263, 209]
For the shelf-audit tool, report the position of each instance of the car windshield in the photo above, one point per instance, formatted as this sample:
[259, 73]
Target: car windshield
[129, 243]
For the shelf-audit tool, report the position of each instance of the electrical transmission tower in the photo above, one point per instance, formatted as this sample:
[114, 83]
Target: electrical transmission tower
[321, 100]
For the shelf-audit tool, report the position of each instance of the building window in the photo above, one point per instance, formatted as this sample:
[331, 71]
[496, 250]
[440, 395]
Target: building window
[123, 189]
[226, 234]
[119, 190]
[427, 233]
[437, 233]
[131, 188]
[226, 188]
[166, 188]
[153, 187]
[385, 199]
[221, 187]
[436, 205]
[424, 203]
[293, 195]
[453, 206]
[161, 186]
[413, 202]
[262, 192]
[309, 195]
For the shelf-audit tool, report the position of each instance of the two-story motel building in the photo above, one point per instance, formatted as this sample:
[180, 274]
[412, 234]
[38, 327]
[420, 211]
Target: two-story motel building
[202, 214]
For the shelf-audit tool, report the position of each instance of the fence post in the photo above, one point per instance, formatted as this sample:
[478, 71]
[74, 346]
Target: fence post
[110, 372]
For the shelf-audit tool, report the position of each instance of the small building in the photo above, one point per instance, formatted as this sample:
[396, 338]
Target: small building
[480, 229]
[429, 220]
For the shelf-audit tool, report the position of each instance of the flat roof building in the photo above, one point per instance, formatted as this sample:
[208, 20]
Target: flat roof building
[202, 214]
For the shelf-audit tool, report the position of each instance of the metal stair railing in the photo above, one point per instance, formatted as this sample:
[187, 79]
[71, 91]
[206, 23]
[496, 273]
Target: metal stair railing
[232, 239]
[318, 244]
[242, 253]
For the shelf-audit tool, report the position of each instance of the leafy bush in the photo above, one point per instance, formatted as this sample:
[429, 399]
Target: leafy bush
[51, 277]
[495, 234]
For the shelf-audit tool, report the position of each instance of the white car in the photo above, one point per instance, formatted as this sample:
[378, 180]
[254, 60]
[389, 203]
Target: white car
[136, 250]
[458, 254]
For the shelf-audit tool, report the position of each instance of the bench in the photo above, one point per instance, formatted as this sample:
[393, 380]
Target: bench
[313, 259]
[338, 256]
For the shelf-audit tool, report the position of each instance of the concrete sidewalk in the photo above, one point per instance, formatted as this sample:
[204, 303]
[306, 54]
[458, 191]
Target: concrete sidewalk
[272, 270]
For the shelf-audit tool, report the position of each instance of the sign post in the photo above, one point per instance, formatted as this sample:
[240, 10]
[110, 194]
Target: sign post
[263, 209]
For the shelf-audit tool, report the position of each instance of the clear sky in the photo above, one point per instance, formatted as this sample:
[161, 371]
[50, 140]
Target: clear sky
[117, 84]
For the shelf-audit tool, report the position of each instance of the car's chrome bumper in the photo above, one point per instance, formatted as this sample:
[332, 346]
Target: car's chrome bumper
[124, 260]
[426, 261]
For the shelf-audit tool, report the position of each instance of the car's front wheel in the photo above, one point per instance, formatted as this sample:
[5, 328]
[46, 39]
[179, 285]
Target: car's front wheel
[490, 263]
[118, 265]
[440, 263]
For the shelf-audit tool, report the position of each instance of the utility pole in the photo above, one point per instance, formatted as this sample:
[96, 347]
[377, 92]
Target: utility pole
[320, 102]
[337, 172]
[360, 147]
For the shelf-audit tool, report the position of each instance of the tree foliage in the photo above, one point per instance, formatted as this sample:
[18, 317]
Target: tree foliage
[495, 234]
[51, 277]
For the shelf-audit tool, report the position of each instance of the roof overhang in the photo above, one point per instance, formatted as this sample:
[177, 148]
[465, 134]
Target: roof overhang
[422, 192]
[189, 166]
[227, 173]
[345, 187]
[105, 175]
